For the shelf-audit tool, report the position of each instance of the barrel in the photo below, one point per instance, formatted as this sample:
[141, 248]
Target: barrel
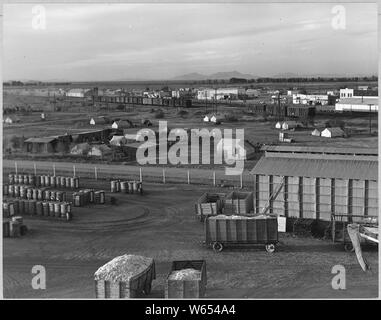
[16, 206]
[26, 179]
[32, 207]
[47, 181]
[72, 183]
[52, 195]
[6, 227]
[17, 190]
[11, 178]
[11, 189]
[60, 196]
[51, 208]
[53, 181]
[20, 179]
[5, 209]
[91, 195]
[32, 180]
[11, 209]
[124, 186]
[29, 193]
[130, 186]
[39, 208]
[76, 182]
[62, 182]
[57, 211]
[40, 194]
[47, 195]
[21, 207]
[135, 185]
[45, 209]
[42, 181]
[35, 194]
[67, 182]
[5, 190]
[114, 186]
[22, 192]
[77, 199]
[14, 228]
[63, 209]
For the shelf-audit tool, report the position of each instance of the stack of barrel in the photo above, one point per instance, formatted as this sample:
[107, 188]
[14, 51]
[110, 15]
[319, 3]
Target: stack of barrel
[25, 192]
[44, 180]
[14, 227]
[88, 196]
[54, 209]
[126, 186]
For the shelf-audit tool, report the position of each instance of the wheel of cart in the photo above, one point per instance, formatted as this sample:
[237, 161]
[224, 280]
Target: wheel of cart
[270, 248]
[217, 246]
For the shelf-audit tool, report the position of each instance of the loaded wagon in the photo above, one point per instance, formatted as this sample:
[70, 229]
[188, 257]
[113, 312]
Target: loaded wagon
[187, 279]
[209, 204]
[125, 276]
[339, 223]
[222, 231]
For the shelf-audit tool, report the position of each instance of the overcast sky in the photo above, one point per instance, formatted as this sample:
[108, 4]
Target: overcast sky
[162, 41]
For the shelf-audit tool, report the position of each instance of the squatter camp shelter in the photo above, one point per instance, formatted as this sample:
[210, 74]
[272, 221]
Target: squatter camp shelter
[50, 144]
[308, 182]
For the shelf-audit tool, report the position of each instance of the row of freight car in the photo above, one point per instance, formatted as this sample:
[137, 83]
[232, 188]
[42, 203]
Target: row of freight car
[44, 180]
[129, 276]
[52, 209]
[284, 111]
[126, 186]
[14, 228]
[165, 102]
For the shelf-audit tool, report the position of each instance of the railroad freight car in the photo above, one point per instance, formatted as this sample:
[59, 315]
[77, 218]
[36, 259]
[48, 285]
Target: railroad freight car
[221, 231]
[186, 280]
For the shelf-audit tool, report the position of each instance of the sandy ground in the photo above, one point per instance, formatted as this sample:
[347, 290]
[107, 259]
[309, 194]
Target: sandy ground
[161, 224]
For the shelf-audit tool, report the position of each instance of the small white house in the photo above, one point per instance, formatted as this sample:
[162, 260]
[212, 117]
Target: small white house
[332, 132]
[278, 125]
[92, 122]
[206, 119]
[213, 119]
[316, 133]
[114, 125]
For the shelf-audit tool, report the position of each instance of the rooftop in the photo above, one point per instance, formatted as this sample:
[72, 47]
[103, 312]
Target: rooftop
[366, 101]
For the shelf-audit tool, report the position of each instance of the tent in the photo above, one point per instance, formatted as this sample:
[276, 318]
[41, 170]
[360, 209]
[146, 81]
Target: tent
[332, 132]
[92, 121]
[206, 119]
[278, 125]
[316, 133]
[118, 141]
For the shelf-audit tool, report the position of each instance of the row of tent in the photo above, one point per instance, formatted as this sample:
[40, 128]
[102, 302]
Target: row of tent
[118, 124]
[328, 132]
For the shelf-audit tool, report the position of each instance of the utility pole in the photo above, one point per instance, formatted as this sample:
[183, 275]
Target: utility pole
[370, 118]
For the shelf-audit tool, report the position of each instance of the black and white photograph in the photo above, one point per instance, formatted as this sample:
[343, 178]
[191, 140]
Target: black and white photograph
[171, 151]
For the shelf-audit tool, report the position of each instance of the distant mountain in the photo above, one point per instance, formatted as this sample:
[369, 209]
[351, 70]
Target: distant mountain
[215, 76]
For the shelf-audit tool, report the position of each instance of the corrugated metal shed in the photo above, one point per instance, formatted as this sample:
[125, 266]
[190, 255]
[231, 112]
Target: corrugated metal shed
[332, 150]
[319, 168]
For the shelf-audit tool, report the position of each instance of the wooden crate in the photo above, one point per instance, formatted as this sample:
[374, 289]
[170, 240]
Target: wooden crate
[238, 202]
[209, 204]
[181, 289]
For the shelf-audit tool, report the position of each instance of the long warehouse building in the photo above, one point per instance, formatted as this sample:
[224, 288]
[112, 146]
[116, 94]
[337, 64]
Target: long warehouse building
[316, 182]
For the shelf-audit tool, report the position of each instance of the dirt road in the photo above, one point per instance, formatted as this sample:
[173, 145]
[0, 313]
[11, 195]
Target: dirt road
[161, 224]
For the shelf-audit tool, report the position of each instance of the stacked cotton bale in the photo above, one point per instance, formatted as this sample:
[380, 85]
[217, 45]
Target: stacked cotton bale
[125, 276]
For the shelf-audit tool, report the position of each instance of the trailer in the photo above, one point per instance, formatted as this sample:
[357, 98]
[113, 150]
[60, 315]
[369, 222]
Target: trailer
[223, 231]
[339, 227]
[187, 279]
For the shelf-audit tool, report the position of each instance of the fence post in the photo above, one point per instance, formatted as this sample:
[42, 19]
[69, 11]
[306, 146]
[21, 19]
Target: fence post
[16, 167]
[241, 181]
[141, 174]
[214, 178]
[54, 169]
[188, 176]
[163, 175]
[35, 169]
[96, 173]
[73, 171]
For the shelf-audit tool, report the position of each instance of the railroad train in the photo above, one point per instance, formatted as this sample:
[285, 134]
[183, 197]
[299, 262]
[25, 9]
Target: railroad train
[164, 102]
[284, 111]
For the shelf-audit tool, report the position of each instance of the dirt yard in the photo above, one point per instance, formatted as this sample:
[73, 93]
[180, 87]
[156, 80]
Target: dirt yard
[161, 224]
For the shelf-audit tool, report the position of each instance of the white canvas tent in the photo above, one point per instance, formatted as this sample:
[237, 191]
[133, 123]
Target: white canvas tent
[278, 125]
[206, 119]
[316, 133]
[332, 132]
